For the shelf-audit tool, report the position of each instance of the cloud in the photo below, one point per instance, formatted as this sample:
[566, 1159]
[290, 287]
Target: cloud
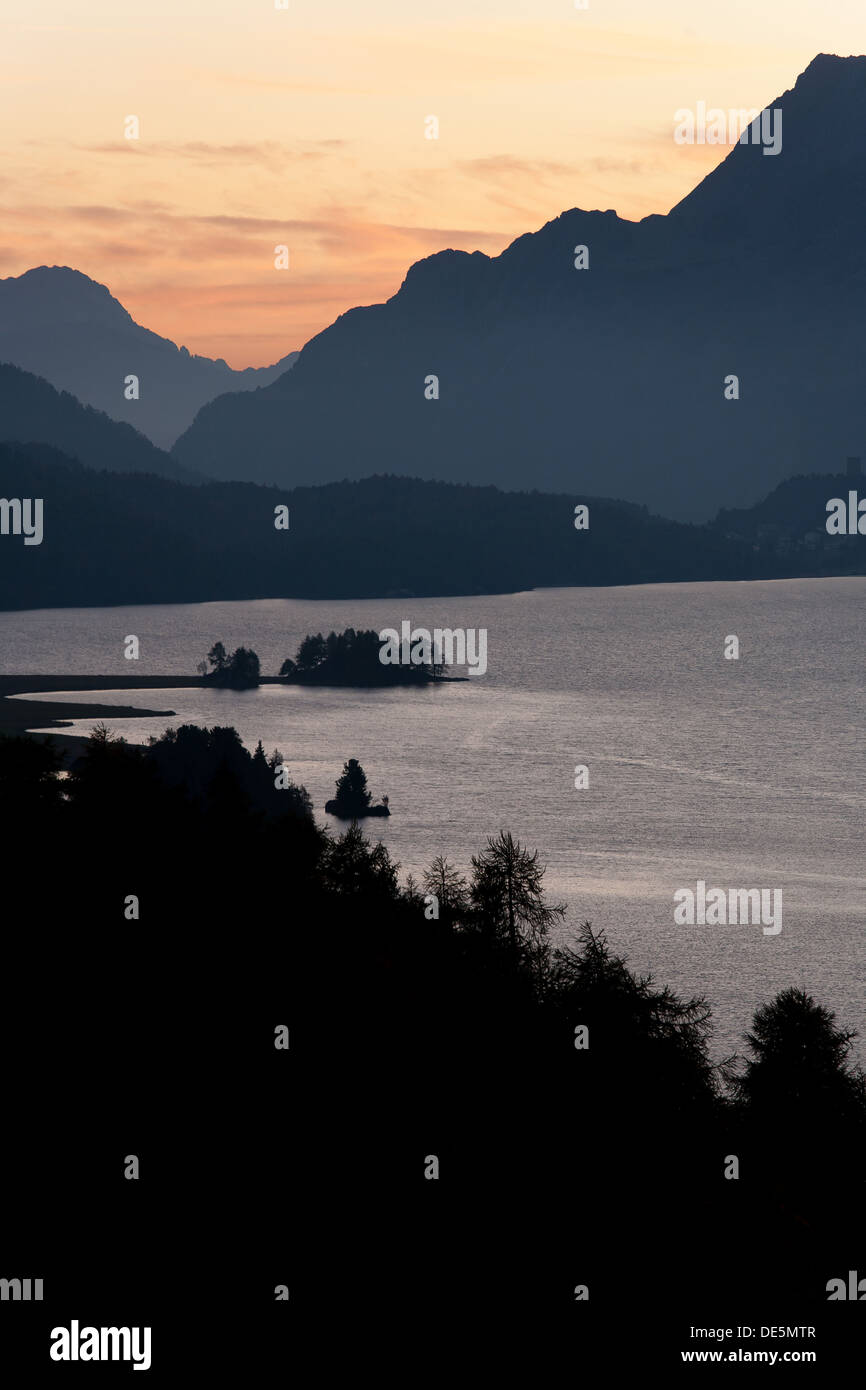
[338, 230]
[507, 166]
[125, 250]
[98, 213]
[273, 155]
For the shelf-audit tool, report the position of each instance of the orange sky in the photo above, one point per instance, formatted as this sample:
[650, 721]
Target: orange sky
[305, 126]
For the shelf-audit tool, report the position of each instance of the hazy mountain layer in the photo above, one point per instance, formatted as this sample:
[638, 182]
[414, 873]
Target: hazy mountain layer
[69, 329]
[31, 410]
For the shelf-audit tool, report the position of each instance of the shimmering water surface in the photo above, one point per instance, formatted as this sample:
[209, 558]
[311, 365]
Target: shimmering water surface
[747, 774]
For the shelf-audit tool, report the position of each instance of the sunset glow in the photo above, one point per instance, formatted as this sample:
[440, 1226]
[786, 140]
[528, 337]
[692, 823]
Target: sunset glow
[306, 127]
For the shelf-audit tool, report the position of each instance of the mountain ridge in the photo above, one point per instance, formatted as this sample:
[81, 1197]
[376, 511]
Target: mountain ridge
[607, 379]
[68, 328]
[32, 412]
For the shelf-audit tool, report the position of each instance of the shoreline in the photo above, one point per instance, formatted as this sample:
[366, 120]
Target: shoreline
[19, 717]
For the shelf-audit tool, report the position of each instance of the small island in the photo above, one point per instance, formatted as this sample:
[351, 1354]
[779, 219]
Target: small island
[347, 658]
[240, 671]
[352, 801]
[352, 658]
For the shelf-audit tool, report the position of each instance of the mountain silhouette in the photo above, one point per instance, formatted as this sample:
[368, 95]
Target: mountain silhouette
[31, 410]
[69, 329]
[608, 380]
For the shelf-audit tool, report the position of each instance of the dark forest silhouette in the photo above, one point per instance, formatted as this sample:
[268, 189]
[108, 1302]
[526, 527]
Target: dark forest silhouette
[432, 1018]
[218, 541]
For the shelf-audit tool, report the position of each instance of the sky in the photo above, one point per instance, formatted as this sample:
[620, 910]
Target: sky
[304, 127]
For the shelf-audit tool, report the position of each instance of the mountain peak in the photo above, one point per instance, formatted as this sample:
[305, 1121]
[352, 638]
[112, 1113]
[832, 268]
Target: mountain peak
[69, 329]
[814, 180]
[830, 67]
[49, 289]
[444, 270]
[611, 378]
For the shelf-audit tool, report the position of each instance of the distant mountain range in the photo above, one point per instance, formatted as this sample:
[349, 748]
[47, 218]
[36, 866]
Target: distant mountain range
[69, 329]
[609, 379]
[112, 538]
[604, 381]
[32, 411]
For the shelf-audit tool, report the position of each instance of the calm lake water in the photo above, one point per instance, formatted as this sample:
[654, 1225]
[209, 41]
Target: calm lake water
[746, 774]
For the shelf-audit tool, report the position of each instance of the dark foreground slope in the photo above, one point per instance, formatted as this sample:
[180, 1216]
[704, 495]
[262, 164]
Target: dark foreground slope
[428, 1147]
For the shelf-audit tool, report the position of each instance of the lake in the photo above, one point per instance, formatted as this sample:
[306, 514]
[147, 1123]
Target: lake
[747, 773]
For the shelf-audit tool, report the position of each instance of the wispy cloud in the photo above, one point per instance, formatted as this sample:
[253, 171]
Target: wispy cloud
[272, 155]
[216, 270]
[507, 166]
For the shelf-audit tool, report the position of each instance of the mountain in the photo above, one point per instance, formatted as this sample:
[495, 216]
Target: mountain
[113, 538]
[69, 329]
[31, 409]
[791, 523]
[611, 379]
